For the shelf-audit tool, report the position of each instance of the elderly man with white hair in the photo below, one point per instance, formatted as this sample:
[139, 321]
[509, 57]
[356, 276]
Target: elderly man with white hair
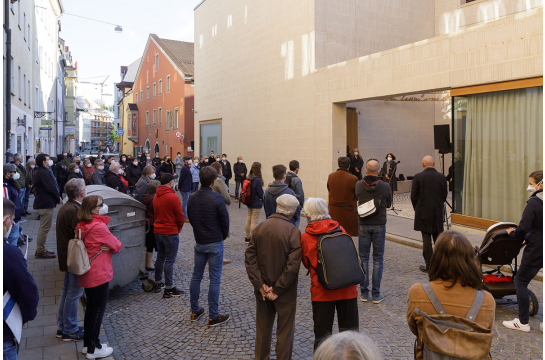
[324, 301]
[273, 258]
[112, 177]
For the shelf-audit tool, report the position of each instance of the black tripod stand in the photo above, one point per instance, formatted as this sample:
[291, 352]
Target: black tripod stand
[390, 183]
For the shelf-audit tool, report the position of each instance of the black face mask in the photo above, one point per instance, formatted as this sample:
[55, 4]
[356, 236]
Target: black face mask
[78, 162]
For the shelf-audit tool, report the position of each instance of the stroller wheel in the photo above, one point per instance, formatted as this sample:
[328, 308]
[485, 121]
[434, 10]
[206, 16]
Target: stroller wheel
[534, 303]
[148, 285]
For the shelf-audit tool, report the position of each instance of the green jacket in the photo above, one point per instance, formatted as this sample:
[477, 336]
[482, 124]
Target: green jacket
[21, 182]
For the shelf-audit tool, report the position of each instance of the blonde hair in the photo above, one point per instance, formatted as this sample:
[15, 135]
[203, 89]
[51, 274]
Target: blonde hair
[316, 209]
[347, 345]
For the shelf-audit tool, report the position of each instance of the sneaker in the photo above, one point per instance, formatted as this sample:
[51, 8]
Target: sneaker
[59, 334]
[172, 292]
[516, 325]
[226, 261]
[159, 287]
[236, 200]
[101, 353]
[246, 240]
[195, 317]
[74, 337]
[219, 320]
[423, 268]
[378, 299]
[364, 298]
[84, 349]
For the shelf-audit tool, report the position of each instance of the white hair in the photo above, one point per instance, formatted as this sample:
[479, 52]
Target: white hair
[347, 345]
[114, 165]
[316, 209]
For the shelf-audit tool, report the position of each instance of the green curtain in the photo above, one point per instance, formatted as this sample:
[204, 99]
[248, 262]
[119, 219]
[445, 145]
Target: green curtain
[503, 144]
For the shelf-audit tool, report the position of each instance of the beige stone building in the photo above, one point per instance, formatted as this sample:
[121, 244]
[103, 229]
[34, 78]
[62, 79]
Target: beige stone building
[296, 79]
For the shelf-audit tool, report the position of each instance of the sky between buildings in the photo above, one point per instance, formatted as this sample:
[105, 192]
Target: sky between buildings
[100, 51]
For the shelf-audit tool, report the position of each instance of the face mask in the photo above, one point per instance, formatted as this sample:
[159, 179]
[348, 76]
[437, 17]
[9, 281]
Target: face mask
[149, 158]
[389, 159]
[76, 171]
[16, 176]
[89, 165]
[78, 162]
[50, 162]
[240, 161]
[205, 160]
[64, 154]
[135, 162]
[356, 153]
[123, 159]
[152, 176]
[32, 166]
[196, 163]
[6, 234]
[224, 159]
[531, 189]
[103, 210]
[179, 156]
[120, 171]
[101, 167]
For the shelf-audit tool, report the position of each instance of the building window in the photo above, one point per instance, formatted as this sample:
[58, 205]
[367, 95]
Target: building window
[167, 119]
[147, 93]
[175, 118]
[160, 86]
[28, 27]
[19, 87]
[147, 118]
[141, 97]
[19, 14]
[156, 62]
[210, 137]
[24, 89]
[12, 71]
[159, 115]
[154, 117]
[24, 26]
[136, 98]
[168, 83]
[29, 94]
[36, 51]
[37, 99]
[154, 90]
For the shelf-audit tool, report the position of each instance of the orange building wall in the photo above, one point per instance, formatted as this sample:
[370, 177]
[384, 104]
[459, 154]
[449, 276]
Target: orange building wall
[180, 95]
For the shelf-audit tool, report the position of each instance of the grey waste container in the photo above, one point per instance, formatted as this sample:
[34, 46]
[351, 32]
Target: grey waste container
[129, 225]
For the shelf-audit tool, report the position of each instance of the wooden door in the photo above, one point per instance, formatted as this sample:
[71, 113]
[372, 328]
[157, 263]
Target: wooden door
[351, 128]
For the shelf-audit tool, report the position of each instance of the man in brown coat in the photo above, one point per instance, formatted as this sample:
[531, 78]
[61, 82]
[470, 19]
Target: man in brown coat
[273, 258]
[342, 197]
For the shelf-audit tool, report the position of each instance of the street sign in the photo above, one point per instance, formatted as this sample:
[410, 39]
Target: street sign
[39, 135]
[178, 134]
[47, 122]
[46, 128]
[69, 130]
[20, 129]
[119, 131]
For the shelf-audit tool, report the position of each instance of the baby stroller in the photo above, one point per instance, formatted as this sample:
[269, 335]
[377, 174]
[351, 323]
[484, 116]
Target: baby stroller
[498, 248]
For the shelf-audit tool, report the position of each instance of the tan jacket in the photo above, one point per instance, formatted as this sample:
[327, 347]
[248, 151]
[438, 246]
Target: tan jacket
[273, 257]
[219, 186]
[456, 301]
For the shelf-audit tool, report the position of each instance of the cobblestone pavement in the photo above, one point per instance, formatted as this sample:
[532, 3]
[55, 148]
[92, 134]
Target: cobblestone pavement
[143, 325]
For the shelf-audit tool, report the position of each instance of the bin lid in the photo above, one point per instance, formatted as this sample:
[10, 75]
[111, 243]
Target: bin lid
[113, 196]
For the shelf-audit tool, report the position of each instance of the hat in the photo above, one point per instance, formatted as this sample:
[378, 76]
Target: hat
[287, 203]
[166, 178]
[187, 157]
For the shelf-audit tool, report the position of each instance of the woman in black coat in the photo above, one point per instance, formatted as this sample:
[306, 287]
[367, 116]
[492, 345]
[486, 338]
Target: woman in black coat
[356, 164]
[388, 171]
[531, 229]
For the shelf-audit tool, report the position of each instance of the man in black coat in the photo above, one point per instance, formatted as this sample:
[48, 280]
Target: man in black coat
[240, 171]
[47, 196]
[356, 164]
[212, 158]
[133, 172]
[113, 180]
[226, 170]
[428, 196]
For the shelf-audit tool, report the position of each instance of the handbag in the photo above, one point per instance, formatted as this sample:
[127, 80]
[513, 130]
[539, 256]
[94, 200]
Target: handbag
[77, 260]
[367, 208]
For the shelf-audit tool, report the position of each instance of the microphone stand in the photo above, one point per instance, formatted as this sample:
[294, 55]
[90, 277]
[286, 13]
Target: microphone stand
[390, 183]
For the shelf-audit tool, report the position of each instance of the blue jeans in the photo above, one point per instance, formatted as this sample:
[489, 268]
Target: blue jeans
[10, 350]
[25, 200]
[14, 235]
[22, 193]
[525, 274]
[376, 235]
[167, 250]
[213, 254]
[185, 199]
[194, 187]
[68, 306]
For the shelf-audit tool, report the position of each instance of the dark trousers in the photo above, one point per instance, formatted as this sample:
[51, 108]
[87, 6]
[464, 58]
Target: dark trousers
[97, 297]
[285, 329]
[323, 314]
[227, 183]
[525, 274]
[427, 248]
[238, 184]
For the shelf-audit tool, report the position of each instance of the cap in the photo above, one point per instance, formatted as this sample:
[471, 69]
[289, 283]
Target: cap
[166, 178]
[187, 157]
[287, 203]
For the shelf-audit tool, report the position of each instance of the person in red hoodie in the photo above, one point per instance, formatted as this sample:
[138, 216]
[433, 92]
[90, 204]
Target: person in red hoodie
[100, 244]
[169, 221]
[324, 301]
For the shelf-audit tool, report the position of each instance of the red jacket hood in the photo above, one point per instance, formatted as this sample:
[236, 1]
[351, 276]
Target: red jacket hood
[321, 227]
[86, 226]
[163, 190]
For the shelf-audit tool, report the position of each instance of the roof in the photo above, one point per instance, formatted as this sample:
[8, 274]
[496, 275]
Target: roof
[133, 107]
[181, 53]
[132, 69]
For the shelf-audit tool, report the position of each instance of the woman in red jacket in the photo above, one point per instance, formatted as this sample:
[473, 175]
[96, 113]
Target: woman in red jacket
[324, 301]
[100, 244]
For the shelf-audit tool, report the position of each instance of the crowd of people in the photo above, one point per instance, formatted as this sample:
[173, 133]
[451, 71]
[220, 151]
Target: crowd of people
[359, 195]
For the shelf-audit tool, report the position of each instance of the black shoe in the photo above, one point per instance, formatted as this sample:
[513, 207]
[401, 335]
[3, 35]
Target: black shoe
[172, 292]
[423, 268]
[75, 337]
[246, 240]
[219, 320]
[24, 214]
[159, 287]
[150, 269]
[195, 317]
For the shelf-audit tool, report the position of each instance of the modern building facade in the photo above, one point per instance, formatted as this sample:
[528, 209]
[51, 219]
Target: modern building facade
[304, 79]
[161, 113]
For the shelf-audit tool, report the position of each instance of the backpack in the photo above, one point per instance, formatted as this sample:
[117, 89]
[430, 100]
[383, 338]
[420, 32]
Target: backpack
[339, 265]
[290, 176]
[77, 259]
[246, 196]
[450, 337]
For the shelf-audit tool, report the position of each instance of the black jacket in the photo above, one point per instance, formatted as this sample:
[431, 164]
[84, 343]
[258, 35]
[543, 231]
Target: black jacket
[208, 216]
[372, 188]
[356, 163]
[61, 172]
[240, 168]
[531, 229]
[167, 168]
[133, 174]
[45, 189]
[226, 169]
[390, 172]
[11, 191]
[113, 181]
[73, 175]
[428, 196]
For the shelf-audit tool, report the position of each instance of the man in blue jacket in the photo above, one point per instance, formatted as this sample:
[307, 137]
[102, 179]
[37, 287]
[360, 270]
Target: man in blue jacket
[185, 183]
[20, 285]
[210, 221]
[10, 192]
[275, 189]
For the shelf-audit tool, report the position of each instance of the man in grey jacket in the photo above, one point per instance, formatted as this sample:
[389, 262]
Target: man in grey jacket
[275, 189]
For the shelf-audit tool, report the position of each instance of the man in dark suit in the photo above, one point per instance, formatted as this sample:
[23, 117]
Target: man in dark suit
[428, 196]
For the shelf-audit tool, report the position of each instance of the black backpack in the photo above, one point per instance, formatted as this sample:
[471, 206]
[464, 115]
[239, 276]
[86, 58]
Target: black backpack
[339, 264]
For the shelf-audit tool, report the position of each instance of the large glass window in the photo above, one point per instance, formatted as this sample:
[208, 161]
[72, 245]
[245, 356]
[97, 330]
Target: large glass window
[498, 142]
[211, 138]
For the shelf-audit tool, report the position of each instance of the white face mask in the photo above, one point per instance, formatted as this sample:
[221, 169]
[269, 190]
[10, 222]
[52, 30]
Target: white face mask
[179, 156]
[389, 159]
[135, 162]
[224, 159]
[6, 233]
[123, 159]
[240, 161]
[205, 160]
[149, 158]
[356, 153]
[103, 210]
[50, 162]
[32, 166]
[196, 163]
[120, 171]
[76, 171]
[89, 165]
[152, 176]
[101, 167]
[16, 176]
[64, 154]
[531, 189]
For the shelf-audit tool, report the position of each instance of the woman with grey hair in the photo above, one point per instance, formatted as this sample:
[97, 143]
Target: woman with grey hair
[73, 172]
[348, 345]
[324, 301]
[148, 174]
